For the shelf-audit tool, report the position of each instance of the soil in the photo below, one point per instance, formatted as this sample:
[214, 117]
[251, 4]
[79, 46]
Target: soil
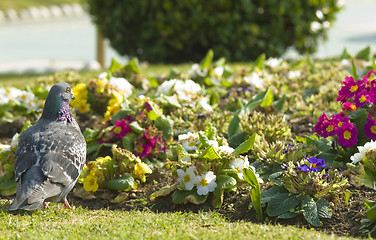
[346, 219]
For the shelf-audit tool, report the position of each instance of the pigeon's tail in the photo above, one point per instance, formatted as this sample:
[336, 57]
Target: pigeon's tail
[29, 195]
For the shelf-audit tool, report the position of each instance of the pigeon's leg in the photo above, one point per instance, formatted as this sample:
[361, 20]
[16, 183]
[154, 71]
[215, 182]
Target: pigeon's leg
[66, 203]
[45, 204]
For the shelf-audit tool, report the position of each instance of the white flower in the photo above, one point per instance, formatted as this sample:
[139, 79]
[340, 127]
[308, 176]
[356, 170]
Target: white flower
[218, 72]
[121, 84]
[188, 178]
[315, 26]
[4, 148]
[293, 74]
[187, 90]
[167, 86]
[29, 100]
[363, 150]
[255, 81]
[273, 62]
[103, 75]
[14, 143]
[206, 183]
[189, 141]
[225, 149]
[239, 164]
[213, 143]
[205, 105]
[196, 71]
[186, 160]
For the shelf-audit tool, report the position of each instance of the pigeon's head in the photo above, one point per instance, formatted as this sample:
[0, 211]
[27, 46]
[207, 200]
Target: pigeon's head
[58, 98]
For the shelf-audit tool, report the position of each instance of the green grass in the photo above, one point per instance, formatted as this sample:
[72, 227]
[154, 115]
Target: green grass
[20, 4]
[57, 222]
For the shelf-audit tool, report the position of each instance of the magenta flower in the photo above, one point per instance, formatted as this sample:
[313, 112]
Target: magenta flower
[348, 106]
[148, 106]
[362, 98]
[350, 88]
[347, 135]
[121, 128]
[324, 126]
[370, 128]
[367, 77]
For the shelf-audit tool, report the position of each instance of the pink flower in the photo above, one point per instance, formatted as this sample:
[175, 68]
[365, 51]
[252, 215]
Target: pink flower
[366, 77]
[121, 128]
[350, 88]
[370, 128]
[347, 135]
[348, 106]
[326, 126]
[362, 98]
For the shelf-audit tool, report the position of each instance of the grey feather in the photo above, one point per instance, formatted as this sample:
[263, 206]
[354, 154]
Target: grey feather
[50, 154]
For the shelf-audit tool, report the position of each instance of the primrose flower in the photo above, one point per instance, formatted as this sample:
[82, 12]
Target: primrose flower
[4, 148]
[90, 183]
[255, 81]
[189, 141]
[362, 98]
[273, 62]
[185, 160]
[205, 105]
[293, 74]
[218, 72]
[316, 163]
[347, 135]
[370, 128]
[121, 128]
[206, 183]
[239, 164]
[196, 71]
[140, 169]
[350, 88]
[14, 142]
[303, 168]
[188, 178]
[81, 93]
[122, 85]
[349, 106]
[326, 126]
[363, 150]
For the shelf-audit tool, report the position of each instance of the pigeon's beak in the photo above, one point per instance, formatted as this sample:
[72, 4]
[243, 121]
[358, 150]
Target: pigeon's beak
[73, 97]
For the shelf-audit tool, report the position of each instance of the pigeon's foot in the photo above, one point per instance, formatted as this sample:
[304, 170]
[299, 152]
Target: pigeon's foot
[66, 203]
[45, 204]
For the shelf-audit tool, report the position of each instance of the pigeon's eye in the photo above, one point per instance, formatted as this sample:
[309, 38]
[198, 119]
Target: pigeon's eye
[68, 90]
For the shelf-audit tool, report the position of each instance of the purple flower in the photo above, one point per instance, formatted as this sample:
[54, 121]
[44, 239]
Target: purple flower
[303, 168]
[121, 128]
[362, 98]
[370, 128]
[347, 135]
[325, 126]
[316, 163]
[350, 88]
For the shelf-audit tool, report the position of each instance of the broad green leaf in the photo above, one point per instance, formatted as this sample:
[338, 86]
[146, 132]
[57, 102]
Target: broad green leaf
[125, 183]
[268, 98]
[164, 191]
[181, 150]
[323, 144]
[251, 178]
[207, 61]
[347, 197]
[364, 54]
[259, 64]
[371, 214]
[166, 125]
[280, 104]
[281, 203]
[136, 127]
[246, 145]
[234, 126]
[345, 54]
[224, 182]
[115, 66]
[90, 134]
[128, 141]
[120, 115]
[217, 201]
[323, 208]
[359, 118]
[172, 101]
[252, 105]
[288, 215]
[310, 212]
[210, 154]
[183, 196]
[237, 139]
[133, 66]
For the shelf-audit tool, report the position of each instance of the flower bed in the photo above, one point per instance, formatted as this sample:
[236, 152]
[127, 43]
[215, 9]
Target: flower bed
[287, 142]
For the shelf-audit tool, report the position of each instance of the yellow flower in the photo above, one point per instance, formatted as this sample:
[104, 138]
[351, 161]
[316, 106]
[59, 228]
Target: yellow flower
[81, 93]
[140, 169]
[90, 183]
[101, 85]
[113, 105]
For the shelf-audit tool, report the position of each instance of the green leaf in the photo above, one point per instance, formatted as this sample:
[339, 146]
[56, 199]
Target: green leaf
[183, 196]
[136, 127]
[311, 64]
[246, 145]
[323, 208]
[310, 212]
[251, 178]
[345, 54]
[207, 61]
[120, 115]
[172, 101]
[115, 66]
[237, 139]
[210, 154]
[268, 98]
[203, 139]
[347, 197]
[164, 191]
[224, 182]
[280, 104]
[234, 126]
[267, 195]
[8, 184]
[259, 64]
[90, 134]
[353, 70]
[210, 131]
[181, 150]
[128, 141]
[364, 54]
[125, 183]
[166, 125]
[133, 66]
[281, 203]
[288, 215]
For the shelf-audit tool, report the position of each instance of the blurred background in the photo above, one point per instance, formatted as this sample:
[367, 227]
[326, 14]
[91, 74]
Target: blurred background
[52, 35]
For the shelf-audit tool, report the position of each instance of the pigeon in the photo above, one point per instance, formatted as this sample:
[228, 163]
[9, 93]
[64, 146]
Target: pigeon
[50, 154]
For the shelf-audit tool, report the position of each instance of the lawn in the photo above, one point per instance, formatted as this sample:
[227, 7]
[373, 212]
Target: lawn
[21, 4]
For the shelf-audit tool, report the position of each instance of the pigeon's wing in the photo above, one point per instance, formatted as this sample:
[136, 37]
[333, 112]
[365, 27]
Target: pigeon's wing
[48, 163]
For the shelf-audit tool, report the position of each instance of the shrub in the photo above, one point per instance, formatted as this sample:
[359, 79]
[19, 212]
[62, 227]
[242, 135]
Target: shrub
[177, 31]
